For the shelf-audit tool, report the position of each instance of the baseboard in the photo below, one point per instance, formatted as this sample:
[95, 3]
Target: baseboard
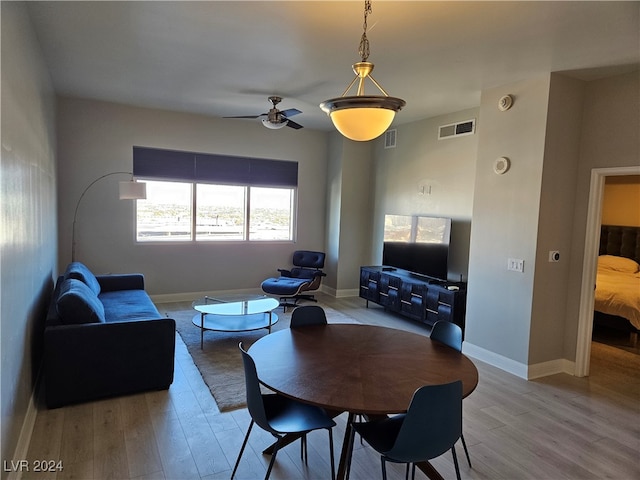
[190, 296]
[353, 292]
[503, 363]
[552, 367]
[528, 372]
[24, 440]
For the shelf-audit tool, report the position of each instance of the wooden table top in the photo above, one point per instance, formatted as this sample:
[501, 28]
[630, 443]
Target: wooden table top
[357, 368]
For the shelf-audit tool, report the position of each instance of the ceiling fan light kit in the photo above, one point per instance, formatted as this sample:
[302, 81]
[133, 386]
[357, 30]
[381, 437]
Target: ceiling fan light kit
[363, 117]
[274, 126]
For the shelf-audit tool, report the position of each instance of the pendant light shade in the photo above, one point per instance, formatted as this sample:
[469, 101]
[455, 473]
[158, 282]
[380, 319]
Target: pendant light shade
[363, 117]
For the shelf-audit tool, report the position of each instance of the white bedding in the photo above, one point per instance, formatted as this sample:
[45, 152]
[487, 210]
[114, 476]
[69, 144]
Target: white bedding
[618, 289]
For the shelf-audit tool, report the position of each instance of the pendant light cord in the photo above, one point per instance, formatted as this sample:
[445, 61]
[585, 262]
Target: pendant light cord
[363, 48]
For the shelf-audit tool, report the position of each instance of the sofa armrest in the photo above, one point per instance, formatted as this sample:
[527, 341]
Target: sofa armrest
[128, 281]
[90, 361]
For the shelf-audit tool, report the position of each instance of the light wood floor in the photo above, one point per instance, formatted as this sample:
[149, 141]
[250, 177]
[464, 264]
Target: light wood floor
[559, 427]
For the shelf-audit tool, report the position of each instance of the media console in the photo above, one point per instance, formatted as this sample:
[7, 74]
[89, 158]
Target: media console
[419, 298]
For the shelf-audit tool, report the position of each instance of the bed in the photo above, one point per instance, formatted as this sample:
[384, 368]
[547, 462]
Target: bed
[617, 294]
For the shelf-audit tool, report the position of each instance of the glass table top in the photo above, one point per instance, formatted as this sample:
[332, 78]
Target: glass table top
[237, 306]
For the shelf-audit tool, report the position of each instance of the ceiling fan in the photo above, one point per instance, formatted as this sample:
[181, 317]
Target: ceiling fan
[274, 118]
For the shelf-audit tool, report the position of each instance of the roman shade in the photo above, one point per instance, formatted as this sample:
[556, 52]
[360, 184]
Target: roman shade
[160, 164]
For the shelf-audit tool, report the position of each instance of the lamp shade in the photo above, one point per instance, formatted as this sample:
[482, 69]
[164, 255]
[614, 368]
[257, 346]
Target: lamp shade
[131, 190]
[362, 117]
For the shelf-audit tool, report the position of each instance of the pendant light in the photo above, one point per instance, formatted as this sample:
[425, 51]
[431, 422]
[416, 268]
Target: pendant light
[362, 117]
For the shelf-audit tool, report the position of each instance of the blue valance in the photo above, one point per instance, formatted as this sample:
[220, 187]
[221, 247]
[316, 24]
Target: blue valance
[160, 164]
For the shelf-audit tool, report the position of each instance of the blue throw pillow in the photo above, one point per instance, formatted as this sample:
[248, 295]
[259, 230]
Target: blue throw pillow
[77, 303]
[79, 271]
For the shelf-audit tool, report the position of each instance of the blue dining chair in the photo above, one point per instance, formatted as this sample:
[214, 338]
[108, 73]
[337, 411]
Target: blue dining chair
[280, 415]
[431, 426]
[451, 335]
[308, 315]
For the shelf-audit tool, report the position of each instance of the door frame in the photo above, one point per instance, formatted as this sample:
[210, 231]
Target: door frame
[590, 262]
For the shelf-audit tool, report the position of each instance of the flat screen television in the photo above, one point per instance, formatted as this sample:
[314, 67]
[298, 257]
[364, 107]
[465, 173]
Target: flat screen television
[417, 243]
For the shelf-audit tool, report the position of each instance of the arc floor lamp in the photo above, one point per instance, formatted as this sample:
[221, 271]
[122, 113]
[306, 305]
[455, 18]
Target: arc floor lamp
[129, 190]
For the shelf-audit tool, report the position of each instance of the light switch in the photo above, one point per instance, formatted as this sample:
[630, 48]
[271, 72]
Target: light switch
[515, 265]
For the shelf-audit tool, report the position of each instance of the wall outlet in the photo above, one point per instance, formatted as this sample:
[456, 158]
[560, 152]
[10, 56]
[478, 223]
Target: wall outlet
[515, 265]
[554, 256]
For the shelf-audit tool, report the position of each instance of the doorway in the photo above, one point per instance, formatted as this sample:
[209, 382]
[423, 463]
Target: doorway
[589, 263]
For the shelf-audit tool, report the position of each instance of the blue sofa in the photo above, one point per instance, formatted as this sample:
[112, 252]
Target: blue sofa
[104, 337]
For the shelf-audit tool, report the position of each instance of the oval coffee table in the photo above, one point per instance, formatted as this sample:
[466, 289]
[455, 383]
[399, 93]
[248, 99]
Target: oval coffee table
[234, 316]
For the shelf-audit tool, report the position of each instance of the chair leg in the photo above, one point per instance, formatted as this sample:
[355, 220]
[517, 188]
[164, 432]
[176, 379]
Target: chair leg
[455, 461]
[466, 452]
[359, 417]
[273, 458]
[303, 448]
[350, 438]
[384, 468]
[244, 444]
[333, 462]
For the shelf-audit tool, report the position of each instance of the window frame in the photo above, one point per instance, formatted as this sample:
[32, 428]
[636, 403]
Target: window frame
[193, 205]
[162, 165]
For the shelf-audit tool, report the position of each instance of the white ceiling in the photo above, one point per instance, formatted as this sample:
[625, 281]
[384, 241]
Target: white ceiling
[225, 58]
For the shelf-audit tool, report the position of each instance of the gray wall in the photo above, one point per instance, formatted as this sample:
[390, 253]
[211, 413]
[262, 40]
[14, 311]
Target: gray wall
[505, 219]
[557, 131]
[557, 205]
[97, 138]
[610, 137]
[28, 223]
[349, 199]
[447, 166]
[355, 214]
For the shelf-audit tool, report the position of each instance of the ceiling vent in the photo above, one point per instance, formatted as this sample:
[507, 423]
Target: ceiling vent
[390, 138]
[468, 127]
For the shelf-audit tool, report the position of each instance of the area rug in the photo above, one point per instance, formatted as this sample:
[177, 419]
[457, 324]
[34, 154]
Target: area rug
[220, 362]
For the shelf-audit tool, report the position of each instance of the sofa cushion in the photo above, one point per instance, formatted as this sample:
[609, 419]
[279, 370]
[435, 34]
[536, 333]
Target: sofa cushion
[79, 271]
[128, 305]
[77, 303]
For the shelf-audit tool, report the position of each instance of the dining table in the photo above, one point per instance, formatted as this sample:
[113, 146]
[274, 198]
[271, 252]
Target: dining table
[360, 369]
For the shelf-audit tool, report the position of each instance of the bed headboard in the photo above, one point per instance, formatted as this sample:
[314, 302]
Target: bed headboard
[620, 241]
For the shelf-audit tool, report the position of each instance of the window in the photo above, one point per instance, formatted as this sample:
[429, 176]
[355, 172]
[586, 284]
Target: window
[206, 197]
[271, 215]
[165, 215]
[220, 212]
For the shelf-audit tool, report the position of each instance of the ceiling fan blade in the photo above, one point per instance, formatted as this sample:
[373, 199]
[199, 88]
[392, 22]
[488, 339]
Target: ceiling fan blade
[290, 112]
[247, 116]
[295, 125]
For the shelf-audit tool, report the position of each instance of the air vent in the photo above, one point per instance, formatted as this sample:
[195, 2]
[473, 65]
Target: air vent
[390, 138]
[459, 129]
